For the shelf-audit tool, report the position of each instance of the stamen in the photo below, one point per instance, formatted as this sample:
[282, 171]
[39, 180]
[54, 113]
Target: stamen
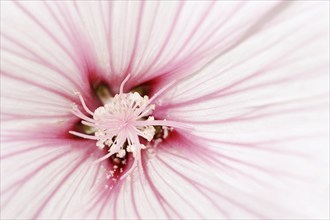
[163, 123]
[121, 123]
[83, 103]
[161, 91]
[155, 96]
[123, 83]
[92, 137]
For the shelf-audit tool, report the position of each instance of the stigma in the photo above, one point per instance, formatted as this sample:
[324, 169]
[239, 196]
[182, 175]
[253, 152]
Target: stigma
[121, 124]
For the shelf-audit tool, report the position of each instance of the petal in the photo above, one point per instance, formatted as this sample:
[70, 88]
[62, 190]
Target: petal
[242, 181]
[196, 34]
[260, 112]
[188, 179]
[281, 60]
[44, 61]
[45, 178]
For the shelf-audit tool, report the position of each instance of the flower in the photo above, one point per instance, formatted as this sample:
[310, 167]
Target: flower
[164, 109]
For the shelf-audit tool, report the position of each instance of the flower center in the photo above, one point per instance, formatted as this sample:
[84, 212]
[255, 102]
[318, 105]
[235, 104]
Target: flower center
[121, 123]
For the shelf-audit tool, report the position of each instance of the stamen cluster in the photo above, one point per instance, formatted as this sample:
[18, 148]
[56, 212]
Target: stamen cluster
[119, 124]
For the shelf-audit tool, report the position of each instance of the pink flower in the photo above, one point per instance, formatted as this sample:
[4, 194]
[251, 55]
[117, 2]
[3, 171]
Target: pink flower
[164, 110]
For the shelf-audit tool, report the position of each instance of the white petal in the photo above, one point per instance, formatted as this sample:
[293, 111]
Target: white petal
[265, 103]
[45, 179]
